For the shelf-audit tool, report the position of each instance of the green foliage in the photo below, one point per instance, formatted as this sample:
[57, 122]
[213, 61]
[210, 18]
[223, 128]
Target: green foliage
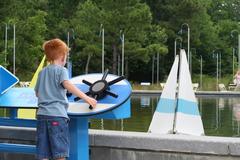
[131, 18]
[30, 33]
[149, 27]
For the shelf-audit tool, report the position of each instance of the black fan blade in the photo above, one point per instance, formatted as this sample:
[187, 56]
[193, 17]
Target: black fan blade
[86, 82]
[90, 107]
[78, 98]
[105, 74]
[87, 93]
[116, 80]
[69, 94]
[111, 94]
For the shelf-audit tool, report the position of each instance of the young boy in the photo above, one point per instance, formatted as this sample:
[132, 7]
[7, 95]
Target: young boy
[52, 118]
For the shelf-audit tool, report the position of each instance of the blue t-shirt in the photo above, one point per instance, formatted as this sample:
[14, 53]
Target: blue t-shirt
[52, 100]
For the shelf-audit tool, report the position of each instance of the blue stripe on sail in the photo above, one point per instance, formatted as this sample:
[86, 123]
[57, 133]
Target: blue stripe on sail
[187, 107]
[166, 105]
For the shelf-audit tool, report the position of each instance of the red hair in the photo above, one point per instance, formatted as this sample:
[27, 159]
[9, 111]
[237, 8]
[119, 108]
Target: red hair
[54, 49]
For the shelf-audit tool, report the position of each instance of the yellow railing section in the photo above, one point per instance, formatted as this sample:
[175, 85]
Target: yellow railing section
[31, 113]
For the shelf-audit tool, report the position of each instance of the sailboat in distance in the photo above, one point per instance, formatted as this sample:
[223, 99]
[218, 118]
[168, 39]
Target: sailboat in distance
[163, 118]
[177, 110]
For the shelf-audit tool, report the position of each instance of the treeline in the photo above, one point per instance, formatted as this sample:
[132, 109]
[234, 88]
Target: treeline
[149, 27]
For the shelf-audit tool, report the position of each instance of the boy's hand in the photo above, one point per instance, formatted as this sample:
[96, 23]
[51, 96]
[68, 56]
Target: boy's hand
[91, 101]
[73, 89]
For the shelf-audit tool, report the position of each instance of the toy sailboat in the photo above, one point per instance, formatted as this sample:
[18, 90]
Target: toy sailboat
[163, 117]
[177, 110]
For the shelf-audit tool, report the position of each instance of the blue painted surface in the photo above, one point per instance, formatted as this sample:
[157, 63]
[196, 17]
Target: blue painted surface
[13, 113]
[17, 148]
[166, 105]
[17, 122]
[187, 107]
[123, 111]
[19, 97]
[79, 140]
[7, 80]
[25, 98]
[123, 92]
[79, 149]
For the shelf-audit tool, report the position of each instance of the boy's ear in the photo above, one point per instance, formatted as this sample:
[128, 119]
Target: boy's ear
[63, 58]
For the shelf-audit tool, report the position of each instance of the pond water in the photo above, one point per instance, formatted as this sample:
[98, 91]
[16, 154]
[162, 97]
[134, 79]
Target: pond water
[220, 115]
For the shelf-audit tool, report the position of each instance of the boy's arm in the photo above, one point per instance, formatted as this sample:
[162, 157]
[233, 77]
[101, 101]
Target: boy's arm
[73, 89]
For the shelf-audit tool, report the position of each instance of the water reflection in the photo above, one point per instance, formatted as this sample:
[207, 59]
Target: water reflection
[236, 116]
[145, 101]
[140, 117]
[221, 116]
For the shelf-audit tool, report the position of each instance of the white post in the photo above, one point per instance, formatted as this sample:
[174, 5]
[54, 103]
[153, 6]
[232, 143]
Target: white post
[153, 59]
[14, 49]
[232, 34]
[201, 72]
[6, 38]
[188, 31]
[68, 56]
[233, 53]
[102, 50]
[188, 43]
[175, 45]
[118, 62]
[220, 67]
[157, 69]
[175, 48]
[238, 51]
[122, 54]
[190, 63]
[217, 71]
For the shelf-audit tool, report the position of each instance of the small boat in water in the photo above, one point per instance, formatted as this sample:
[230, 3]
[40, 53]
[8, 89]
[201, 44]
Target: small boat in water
[177, 110]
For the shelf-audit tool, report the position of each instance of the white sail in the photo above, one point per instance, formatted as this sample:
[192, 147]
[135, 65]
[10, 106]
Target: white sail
[163, 118]
[188, 119]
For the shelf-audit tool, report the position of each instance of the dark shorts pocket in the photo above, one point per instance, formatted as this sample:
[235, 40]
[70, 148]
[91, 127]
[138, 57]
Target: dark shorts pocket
[59, 137]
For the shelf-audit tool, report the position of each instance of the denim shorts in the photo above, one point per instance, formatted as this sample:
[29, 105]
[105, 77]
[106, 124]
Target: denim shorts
[52, 137]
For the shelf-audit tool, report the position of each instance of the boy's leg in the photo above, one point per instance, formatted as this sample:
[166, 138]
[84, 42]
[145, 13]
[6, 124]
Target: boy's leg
[59, 138]
[43, 150]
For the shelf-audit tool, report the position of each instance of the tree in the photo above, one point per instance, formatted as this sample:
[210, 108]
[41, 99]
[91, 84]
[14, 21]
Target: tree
[173, 13]
[30, 33]
[86, 25]
[131, 18]
[225, 15]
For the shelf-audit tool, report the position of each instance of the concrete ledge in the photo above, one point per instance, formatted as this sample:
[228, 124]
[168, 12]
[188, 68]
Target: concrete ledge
[141, 141]
[118, 145]
[234, 149]
[17, 133]
[166, 143]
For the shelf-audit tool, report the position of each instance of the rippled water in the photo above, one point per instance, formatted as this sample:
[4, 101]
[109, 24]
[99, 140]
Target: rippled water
[221, 116]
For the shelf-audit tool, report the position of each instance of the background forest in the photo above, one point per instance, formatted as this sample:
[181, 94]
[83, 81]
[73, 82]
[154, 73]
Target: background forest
[150, 28]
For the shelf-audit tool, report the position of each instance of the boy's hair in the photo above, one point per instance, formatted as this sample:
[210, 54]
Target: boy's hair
[55, 48]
